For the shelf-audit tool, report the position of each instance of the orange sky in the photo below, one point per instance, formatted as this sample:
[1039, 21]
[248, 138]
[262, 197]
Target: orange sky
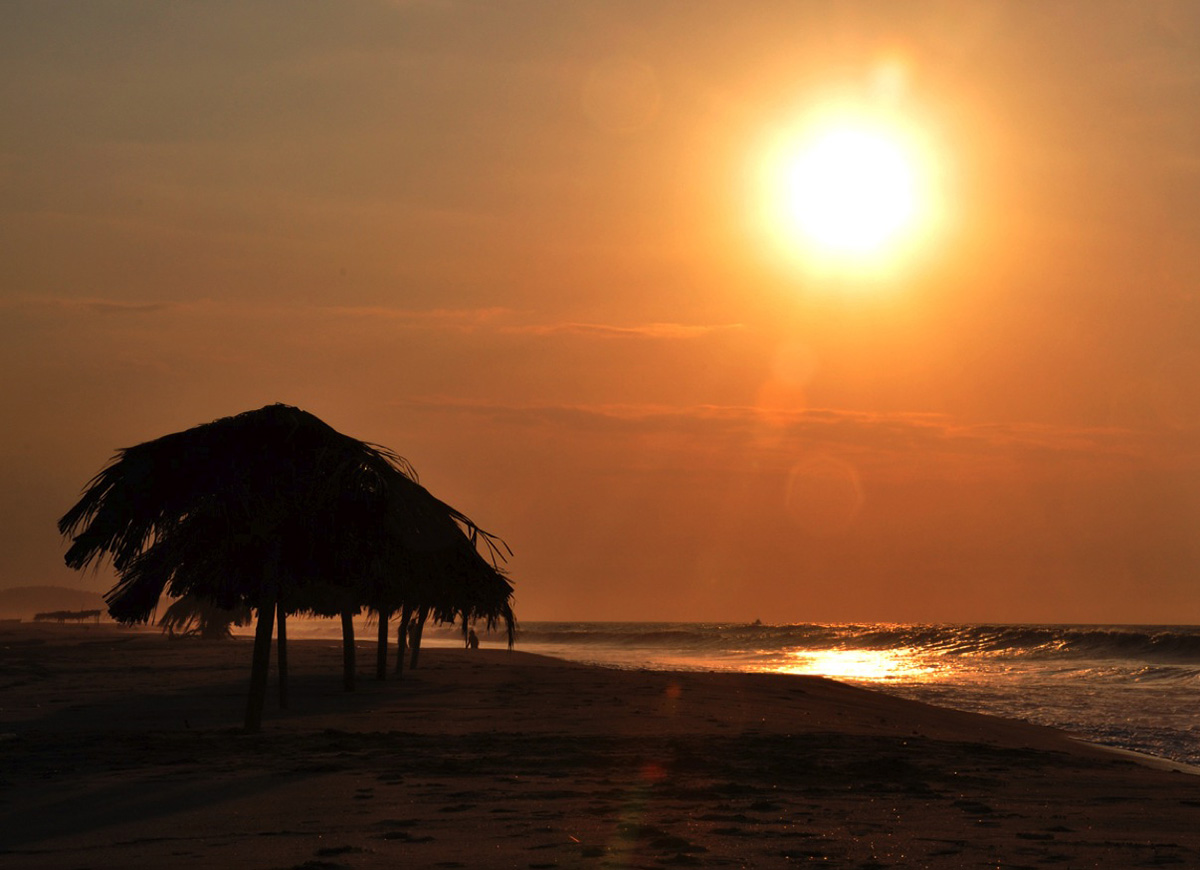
[519, 244]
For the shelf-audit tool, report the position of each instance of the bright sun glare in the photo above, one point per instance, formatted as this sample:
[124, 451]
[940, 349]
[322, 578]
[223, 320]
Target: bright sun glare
[850, 190]
[875, 666]
[847, 193]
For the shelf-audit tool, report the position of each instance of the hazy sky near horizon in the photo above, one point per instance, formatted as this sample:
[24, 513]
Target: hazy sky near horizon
[523, 245]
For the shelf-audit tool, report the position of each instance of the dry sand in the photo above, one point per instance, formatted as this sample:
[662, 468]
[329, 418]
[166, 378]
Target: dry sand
[120, 749]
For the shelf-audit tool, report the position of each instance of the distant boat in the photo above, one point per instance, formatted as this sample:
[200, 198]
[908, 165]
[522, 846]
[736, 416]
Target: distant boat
[757, 622]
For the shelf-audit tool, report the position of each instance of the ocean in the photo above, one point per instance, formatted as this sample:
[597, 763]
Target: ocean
[1126, 686]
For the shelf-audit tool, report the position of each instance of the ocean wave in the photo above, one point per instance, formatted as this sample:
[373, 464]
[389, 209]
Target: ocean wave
[1162, 644]
[1128, 686]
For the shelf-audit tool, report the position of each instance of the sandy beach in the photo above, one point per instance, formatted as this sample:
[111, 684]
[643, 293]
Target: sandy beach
[120, 748]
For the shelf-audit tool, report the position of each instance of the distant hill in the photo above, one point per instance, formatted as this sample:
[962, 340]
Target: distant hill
[25, 601]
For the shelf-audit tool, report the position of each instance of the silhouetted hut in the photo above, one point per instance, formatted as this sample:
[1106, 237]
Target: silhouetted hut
[258, 509]
[473, 589]
[192, 616]
[430, 547]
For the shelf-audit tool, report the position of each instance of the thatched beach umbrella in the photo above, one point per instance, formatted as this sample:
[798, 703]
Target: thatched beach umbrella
[475, 590]
[192, 616]
[255, 509]
[463, 585]
[430, 548]
[488, 597]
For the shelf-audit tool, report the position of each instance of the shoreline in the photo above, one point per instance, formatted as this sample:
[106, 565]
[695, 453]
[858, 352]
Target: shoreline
[1155, 762]
[124, 752]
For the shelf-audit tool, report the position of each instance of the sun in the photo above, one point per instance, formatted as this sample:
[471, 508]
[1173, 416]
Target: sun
[849, 193]
[850, 190]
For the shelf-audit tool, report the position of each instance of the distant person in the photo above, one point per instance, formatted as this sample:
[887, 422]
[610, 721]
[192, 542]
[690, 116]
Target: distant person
[472, 639]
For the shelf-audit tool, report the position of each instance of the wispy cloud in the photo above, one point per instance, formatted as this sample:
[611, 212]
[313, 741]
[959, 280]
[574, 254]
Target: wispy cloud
[872, 437]
[494, 319]
[645, 330]
[92, 305]
[433, 318]
[104, 307]
[513, 322]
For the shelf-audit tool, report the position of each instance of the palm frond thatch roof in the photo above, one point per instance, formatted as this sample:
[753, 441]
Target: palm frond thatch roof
[205, 509]
[215, 509]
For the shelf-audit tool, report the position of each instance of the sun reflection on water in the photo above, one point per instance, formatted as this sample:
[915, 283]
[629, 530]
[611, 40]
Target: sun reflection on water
[875, 666]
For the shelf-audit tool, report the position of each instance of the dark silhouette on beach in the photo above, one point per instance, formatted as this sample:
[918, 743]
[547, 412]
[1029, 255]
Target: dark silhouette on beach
[276, 511]
[61, 616]
[193, 616]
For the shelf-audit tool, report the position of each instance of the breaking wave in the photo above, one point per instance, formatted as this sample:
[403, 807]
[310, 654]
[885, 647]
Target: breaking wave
[1162, 644]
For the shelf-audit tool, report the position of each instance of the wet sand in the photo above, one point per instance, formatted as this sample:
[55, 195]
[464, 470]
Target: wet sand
[121, 749]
